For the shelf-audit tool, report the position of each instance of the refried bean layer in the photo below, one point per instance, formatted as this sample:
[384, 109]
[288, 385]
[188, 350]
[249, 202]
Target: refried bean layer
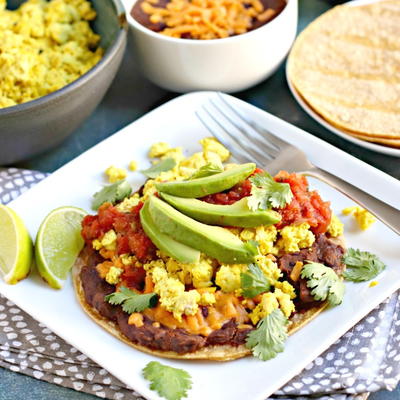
[178, 340]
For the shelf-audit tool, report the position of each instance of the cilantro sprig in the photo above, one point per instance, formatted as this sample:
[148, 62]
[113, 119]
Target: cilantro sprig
[131, 302]
[252, 247]
[266, 193]
[162, 166]
[324, 282]
[207, 170]
[268, 339]
[170, 383]
[361, 266]
[253, 281]
[111, 193]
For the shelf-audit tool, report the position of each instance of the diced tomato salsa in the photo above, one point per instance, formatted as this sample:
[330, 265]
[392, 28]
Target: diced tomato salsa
[239, 191]
[130, 235]
[133, 277]
[306, 206]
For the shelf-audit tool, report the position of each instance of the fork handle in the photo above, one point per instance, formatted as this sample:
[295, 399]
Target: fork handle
[389, 215]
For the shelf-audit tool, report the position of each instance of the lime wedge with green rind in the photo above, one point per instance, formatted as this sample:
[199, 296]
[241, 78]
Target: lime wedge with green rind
[16, 250]
[58, 243]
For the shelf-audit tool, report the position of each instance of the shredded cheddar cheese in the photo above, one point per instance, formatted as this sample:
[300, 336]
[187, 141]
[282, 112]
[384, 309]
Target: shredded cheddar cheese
[295, 274]
[227, 306]
[136, 319]
[207, 19]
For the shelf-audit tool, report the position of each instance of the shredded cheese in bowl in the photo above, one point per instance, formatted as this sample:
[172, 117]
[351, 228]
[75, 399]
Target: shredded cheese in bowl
[207, 19]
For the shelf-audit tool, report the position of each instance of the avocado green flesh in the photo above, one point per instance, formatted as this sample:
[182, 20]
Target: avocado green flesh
[214, 241]
[236, 214]
[166, 243]
[208, 185]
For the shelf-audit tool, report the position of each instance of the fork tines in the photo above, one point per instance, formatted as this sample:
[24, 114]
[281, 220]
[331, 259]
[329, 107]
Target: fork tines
[244, 138]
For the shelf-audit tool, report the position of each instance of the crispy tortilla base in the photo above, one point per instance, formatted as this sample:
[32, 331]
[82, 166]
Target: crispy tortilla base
[345, 66]
[214, 353]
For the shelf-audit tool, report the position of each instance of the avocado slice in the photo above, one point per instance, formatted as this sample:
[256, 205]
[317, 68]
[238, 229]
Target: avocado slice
[208, 185]
[236, 214]
[174, 249]
[214, 241]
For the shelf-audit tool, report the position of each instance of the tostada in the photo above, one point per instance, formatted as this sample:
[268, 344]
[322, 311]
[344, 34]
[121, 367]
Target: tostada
[209, 259]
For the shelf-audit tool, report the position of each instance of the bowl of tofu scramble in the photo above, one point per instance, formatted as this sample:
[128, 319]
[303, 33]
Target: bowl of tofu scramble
[57, 59]
[226, 45]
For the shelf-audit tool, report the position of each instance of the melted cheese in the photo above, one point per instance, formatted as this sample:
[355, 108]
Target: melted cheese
[136, 319]
[227, 307]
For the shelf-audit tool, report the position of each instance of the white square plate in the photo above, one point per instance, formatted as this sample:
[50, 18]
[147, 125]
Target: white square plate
[248, 378]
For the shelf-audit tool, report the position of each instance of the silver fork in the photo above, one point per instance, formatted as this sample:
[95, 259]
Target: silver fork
[248, 141]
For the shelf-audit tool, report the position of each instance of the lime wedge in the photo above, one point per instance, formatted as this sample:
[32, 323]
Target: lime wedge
[58, 243]
[16, 250]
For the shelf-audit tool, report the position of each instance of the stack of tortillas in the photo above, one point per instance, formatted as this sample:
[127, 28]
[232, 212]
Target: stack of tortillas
[346, 66]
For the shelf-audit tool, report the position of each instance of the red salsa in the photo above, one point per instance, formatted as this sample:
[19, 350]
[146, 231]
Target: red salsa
[306, 206]
[130, 235]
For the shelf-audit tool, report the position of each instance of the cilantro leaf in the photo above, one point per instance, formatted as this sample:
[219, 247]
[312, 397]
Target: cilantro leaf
[132, 302]
[268, 339]
[111, 193]
[207, 170]
[156, 169]
[252, 247]
[324, 282]
[170, 383]
[361, 265]
[253, 281]
[266, 193]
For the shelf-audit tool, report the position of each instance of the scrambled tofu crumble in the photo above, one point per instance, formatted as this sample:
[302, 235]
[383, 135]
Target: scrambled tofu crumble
[44, 46]
[363, 217]
[182, 287]
[133, 165]
[115, 174]
[335, 227]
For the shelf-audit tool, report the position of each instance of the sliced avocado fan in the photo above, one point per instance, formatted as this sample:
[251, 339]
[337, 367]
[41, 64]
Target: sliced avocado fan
[214, 241]
[166, 243]
[237, 214]
[208, 185]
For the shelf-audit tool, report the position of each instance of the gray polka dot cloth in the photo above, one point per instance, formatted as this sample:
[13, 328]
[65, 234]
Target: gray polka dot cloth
[365, 359]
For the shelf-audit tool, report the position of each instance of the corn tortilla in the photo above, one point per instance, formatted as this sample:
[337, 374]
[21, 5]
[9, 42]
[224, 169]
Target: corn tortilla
[345, 65]
[383, 141]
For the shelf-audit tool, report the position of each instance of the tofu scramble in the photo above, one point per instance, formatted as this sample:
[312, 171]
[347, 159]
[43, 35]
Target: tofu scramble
[44, 46]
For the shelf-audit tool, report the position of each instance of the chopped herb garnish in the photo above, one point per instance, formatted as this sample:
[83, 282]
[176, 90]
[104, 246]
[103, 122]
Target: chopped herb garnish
[252, 247]
[361, 265]
[253, 281]
[268, 339]
[170, 383]
[132, 302]
[324, 282]
[207, 170]
[111, 193]
[266, 193]
[156, 169]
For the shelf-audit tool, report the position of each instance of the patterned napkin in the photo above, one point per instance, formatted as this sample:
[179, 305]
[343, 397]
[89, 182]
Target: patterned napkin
[365, 359]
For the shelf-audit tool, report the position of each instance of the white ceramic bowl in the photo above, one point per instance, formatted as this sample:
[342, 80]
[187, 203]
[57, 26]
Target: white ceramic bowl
[229, 65]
